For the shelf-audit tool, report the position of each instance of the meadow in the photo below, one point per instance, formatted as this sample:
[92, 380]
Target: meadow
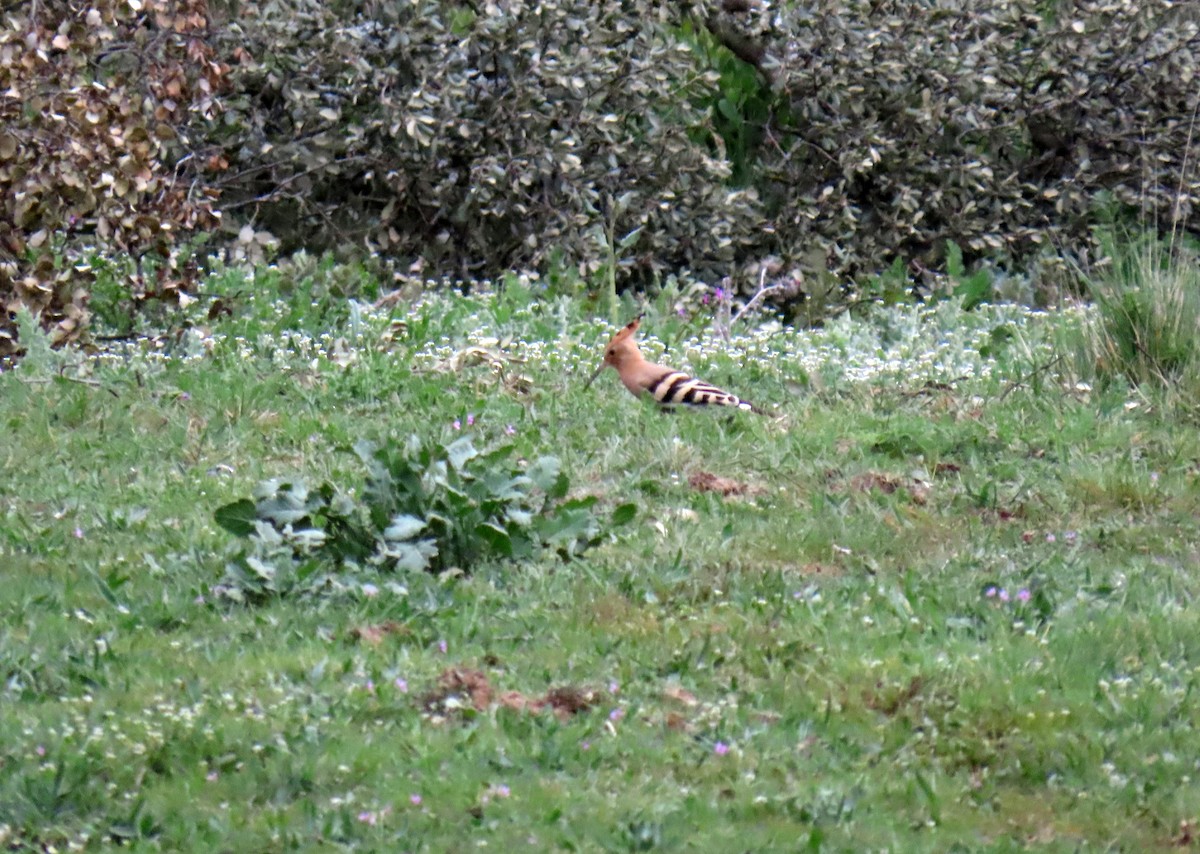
[941, 599]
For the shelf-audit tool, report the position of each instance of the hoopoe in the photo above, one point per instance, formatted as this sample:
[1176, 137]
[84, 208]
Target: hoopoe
[667, 386]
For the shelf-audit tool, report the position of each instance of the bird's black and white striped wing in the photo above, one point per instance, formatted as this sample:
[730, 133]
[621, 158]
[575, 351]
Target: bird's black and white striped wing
[675, 387]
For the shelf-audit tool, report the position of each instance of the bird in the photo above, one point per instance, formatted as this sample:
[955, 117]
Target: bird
[667, 386]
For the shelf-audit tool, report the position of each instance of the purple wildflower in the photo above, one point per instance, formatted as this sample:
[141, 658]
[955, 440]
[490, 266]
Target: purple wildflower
[720, 748]
[442, 647]
[456, 424]
[401, 685]
[510, 430]
[415, 799]
[991, 591]
[1023, 594]
[470, 419]
[1003, 594]
[616, 714]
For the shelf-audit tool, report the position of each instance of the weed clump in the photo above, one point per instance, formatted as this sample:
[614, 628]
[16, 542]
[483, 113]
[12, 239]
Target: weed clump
[1145, 329]
[425, 505]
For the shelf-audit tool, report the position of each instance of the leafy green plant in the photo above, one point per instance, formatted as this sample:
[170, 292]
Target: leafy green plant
[741, 105]
[891, 286]
[425, 505]
[40, 357]
[973, 288]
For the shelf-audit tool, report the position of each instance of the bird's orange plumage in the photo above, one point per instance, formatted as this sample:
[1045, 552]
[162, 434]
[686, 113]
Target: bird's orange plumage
[667, 386]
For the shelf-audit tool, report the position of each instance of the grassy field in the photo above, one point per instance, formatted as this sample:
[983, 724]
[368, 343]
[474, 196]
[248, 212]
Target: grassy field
[946, 606]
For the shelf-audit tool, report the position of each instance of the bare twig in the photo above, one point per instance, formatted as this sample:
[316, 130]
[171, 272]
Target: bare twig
[280, 184]
[1016, 384]
[722, 320]
[1177, 212]
[725, 317]
[44, 380]
[763, 292]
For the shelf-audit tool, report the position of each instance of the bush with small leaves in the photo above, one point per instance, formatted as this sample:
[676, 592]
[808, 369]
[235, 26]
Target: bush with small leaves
[92, 100]
[470, 140]
[622, 139]
[634, 138]
[1010, 127]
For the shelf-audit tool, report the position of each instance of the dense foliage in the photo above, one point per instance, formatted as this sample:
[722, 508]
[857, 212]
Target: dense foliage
[617, 139]
[472, 141]
[93, 98]
[1005, 126]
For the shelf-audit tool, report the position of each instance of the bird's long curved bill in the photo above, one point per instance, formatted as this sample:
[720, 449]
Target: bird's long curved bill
[592, 378]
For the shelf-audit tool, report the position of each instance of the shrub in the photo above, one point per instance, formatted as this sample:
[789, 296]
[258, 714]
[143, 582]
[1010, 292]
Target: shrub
[92, 97]
[425, 505]
[1005, 126]
[470, 142]
[618, 139]
[637, 138]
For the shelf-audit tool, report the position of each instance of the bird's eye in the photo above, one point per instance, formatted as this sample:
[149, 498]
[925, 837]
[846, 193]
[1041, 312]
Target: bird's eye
[611, 350]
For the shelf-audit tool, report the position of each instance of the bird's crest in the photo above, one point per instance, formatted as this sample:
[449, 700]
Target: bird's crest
[627, 331]
[622, 344]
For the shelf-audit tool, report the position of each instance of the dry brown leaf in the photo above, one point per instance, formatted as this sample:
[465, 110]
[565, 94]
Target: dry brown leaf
[471, 687]
[704, 481]
[462, 684]
[514, 700]
[677, 722]
[374, 635]
[889, 483]
[680, 695]
[570, 699]
[868, 481]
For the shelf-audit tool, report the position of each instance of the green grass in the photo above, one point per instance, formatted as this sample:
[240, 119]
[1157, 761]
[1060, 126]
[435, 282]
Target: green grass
[1145, 329]
[825, 663]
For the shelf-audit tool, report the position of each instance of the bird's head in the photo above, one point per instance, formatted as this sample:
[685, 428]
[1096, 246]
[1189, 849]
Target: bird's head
[621, 350]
